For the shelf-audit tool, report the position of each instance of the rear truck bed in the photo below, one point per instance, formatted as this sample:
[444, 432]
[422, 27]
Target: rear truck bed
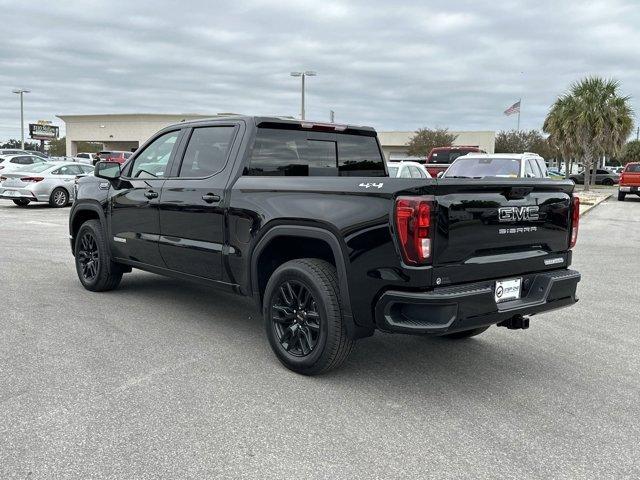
[496, 251]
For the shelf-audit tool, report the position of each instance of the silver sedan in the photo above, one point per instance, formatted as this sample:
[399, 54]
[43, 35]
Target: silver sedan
[43, 182]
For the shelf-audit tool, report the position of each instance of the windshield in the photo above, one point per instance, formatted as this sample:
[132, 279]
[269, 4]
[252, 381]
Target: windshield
[393, 171]
[484, 167]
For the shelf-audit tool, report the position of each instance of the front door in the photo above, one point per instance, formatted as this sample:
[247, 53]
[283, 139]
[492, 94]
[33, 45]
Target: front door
[135, 219]
[192, 212]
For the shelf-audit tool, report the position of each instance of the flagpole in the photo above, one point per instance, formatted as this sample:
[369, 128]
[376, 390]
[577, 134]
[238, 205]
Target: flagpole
[520, 102]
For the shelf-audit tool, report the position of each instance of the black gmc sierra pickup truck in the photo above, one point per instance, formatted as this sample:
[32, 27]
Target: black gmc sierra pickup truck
[303, 218]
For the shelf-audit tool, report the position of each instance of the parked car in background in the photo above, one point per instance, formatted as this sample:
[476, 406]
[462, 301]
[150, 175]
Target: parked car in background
[43, 182]
[407, 170]
[88, 158]
[11, 162]
[118, 156]
[512, 165]
[603, 177]
[17, 151]
[629, 181]
[440, 158]
[555, 173]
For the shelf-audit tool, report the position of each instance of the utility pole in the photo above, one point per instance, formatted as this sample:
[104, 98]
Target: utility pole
[332, 116]
[303, 75]
[637, 134]
[519, 108]
[21, 92]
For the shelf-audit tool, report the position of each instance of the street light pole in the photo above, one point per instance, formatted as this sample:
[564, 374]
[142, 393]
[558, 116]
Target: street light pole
[21, 92]
[303, 75]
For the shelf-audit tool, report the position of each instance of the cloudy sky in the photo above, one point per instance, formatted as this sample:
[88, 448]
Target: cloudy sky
[392, 65]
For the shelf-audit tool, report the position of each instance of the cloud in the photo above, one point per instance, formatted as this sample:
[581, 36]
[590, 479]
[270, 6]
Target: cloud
[391, 65]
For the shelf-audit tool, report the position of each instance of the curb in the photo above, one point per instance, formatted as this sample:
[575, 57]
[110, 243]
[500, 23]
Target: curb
[595, 204]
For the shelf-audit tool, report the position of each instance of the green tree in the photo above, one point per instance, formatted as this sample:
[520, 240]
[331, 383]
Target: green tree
[425, 139]
[58, 147]
[13, 143]
[630, 152]
[518, 141]
[591, 120]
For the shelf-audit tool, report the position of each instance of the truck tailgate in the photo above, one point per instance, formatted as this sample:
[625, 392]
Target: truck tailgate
[500, 228]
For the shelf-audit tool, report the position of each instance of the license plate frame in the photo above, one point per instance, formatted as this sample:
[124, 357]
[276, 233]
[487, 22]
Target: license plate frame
[507, 289]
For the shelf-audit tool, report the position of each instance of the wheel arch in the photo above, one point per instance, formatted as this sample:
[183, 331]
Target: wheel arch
[81, 213]
[319, 243]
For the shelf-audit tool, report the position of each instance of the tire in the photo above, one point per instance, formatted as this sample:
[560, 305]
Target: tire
[59, 198]
[607, 182]
[465, 333]
[621, 196]
[91, 245]
[306, 332]
[21, 202]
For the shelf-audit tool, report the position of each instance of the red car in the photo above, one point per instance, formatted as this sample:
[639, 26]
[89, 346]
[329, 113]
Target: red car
[113, 156]
[629, 180]
[440, 158]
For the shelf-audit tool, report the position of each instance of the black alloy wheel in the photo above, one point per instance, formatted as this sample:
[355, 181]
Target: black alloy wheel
[303, 319]
[88, 257]
[295, 318]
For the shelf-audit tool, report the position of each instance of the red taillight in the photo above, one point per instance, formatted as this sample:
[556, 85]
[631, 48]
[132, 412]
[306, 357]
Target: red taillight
[413, 222]
[575, 221]
[32, 179]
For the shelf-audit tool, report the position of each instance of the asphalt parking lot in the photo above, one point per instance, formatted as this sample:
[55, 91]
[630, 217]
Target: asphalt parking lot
[166, 379]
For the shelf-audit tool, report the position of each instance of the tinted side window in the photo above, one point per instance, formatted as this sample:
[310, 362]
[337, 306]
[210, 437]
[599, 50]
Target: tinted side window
[280, 152]
[153, 161]
[207, 151]
[311, 153]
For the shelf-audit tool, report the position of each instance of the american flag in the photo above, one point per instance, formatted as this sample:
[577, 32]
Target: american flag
[515, 108]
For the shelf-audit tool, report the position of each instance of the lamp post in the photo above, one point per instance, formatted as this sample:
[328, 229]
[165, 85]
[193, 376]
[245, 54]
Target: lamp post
[303, 75]
[21, 92]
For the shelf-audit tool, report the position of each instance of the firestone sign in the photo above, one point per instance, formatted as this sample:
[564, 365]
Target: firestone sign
[39, 131]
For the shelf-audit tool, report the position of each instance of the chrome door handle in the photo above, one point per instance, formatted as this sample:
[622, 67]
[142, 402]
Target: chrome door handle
[151, 194]
[211, 197]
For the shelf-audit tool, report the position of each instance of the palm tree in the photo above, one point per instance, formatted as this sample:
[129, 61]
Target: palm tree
[590, 121]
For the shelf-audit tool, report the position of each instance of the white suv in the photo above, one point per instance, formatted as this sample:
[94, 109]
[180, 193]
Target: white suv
[514, 165]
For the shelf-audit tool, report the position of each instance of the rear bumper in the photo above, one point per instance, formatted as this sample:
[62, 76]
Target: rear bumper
[18, 193]
[463, 307]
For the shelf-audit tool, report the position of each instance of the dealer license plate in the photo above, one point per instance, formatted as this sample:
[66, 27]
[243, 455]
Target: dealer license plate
[507, 289]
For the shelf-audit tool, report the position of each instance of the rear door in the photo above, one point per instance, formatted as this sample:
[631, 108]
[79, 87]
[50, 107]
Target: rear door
[135, 217]
[496, 229]
[192, 207]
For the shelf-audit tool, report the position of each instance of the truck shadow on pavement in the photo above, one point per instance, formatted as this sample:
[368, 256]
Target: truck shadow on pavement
[384, 362]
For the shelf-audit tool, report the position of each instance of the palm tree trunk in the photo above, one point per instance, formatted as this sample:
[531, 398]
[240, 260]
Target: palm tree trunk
[566, 167]
[587, 172]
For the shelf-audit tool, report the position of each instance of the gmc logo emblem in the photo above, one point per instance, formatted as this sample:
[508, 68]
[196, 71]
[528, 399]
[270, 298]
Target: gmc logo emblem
[518, 214]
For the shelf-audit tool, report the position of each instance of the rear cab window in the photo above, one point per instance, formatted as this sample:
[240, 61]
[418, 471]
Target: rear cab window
[633, 168]
[288, 151]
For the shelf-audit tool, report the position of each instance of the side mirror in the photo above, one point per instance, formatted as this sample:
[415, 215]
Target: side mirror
[107, 170]
[440, 174]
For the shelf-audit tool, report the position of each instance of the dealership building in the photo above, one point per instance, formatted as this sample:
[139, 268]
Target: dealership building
[127, 131]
